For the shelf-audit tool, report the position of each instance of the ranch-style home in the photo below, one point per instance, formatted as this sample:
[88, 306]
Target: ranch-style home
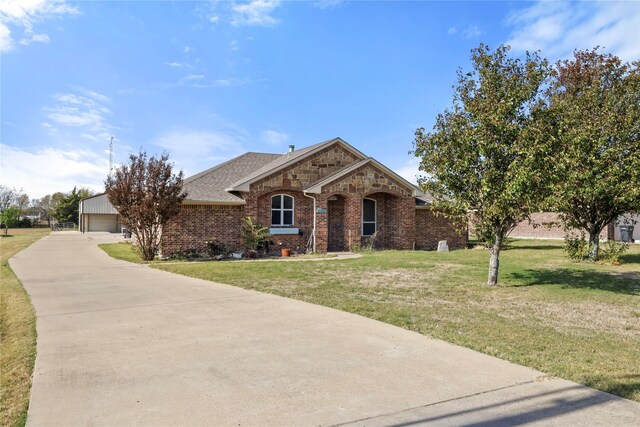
[326, 197]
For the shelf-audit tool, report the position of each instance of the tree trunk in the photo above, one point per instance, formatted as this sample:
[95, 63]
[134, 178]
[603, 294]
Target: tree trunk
[494, 262]
[594, 240]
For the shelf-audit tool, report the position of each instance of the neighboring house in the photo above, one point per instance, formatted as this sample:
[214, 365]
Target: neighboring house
[547, 225]
[97, 214]
[326, 197]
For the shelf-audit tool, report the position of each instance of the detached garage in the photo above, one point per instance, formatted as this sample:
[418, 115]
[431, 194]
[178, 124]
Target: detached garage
[97, 214]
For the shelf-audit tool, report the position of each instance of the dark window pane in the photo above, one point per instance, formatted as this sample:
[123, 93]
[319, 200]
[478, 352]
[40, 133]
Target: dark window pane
[368, 228]
[288, 217]
[288, 202]
[276, 202]
[275, 218]
[368, 210]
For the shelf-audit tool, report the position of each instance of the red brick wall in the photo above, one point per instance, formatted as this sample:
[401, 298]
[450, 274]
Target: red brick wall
[302, 218]
[197, 224]
[395, 209]
[545, 225]
[431, 228]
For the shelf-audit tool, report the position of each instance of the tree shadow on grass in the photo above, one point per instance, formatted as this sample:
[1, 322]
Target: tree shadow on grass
[627, 386]
[630, 258]
[623, 283]
[535, 248]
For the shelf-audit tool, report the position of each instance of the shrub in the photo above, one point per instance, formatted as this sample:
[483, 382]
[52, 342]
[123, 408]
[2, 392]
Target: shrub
[186, 255]
[216, 248]
[254, 235]
[612, 250]
[577, 248]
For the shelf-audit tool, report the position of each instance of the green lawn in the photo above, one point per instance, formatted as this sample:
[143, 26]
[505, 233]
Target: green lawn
[17, 330]
[579, 321]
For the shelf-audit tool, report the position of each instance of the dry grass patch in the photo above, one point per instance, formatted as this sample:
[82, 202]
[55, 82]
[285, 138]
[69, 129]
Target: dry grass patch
[17, 331]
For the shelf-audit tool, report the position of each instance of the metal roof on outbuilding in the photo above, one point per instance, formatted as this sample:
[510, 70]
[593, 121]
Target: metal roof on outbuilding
[98, 204]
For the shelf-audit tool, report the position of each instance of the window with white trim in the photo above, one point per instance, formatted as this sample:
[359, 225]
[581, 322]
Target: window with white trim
[368, 217]
[281, 210]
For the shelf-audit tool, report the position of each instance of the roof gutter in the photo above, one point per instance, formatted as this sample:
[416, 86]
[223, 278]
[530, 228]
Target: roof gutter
[313, 232]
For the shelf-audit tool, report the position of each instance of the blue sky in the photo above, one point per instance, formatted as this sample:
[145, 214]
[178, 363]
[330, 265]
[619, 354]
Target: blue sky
[207, 81]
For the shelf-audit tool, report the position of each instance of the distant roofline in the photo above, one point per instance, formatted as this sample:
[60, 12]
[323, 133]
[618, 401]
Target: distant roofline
[95, 195]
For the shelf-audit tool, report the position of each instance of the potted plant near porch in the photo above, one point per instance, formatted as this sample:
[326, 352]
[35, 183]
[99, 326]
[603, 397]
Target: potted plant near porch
[284, 251]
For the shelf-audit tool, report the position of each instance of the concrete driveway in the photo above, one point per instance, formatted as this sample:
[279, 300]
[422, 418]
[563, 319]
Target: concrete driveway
[124, 344]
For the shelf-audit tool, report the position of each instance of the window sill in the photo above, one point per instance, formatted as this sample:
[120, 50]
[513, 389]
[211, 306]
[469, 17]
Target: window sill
[277, 231]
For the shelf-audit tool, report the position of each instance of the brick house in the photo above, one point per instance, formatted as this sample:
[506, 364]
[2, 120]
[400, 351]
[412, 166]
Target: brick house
[326, 197]
[548, 225]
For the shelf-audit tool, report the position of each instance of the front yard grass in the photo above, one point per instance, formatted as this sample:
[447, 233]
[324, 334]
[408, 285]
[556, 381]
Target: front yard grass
[578, 321]
[17, 330]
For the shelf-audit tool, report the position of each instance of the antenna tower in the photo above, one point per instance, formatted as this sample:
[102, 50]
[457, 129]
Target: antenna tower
[110, 155]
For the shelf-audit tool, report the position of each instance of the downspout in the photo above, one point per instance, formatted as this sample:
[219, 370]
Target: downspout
[313, 233]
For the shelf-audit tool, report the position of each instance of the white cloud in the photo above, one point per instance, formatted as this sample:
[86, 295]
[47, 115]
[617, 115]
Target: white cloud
[194, 77]
[327, 4]
[216, 83]
[255, 12]
[471, 32]
[6, 42]
[214, 19]
[25, 15]
[234, 46]
[273, 137]
[188, 49]
[452, 30]
[79, 111]
[557, 28]
[410, 170]
[35, 38]
[42, 171]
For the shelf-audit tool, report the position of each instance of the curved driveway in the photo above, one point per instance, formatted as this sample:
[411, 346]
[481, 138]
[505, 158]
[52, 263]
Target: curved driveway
[124, 344]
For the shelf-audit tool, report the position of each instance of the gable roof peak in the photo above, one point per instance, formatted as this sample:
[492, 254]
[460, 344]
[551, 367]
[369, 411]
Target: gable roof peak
[288, 159]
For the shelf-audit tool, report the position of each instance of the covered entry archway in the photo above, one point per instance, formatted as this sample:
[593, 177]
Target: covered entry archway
[387, 226]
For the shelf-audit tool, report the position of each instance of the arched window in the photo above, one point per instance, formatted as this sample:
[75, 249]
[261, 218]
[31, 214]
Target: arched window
[368, 217]
[281, 210]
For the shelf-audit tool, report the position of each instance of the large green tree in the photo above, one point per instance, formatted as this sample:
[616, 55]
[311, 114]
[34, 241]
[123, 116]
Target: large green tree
[68, 207]
[595, 106]
[146, 193]
[486, 153]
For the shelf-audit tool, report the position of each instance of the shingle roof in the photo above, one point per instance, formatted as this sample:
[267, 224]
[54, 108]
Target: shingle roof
[286, 160]
[215, 185]
[209, 185]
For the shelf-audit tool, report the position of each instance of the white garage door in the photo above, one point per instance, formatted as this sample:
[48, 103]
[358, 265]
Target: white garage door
[99, 222]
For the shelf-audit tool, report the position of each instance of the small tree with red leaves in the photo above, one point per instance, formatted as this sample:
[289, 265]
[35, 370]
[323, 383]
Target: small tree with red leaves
[146, 193]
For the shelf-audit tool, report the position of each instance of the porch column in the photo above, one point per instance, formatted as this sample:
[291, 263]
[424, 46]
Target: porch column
[353, 221]
[322, 223]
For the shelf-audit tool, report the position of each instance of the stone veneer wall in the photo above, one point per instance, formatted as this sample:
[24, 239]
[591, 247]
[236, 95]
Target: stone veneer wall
[431, 228]
[395, 209]
[307, 171]
[197, 224]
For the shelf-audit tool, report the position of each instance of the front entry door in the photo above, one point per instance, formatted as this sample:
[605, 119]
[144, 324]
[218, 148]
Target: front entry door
[336, 225]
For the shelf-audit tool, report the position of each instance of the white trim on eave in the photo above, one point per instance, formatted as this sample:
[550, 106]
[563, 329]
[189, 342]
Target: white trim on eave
[245, 186]
[317, 187]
